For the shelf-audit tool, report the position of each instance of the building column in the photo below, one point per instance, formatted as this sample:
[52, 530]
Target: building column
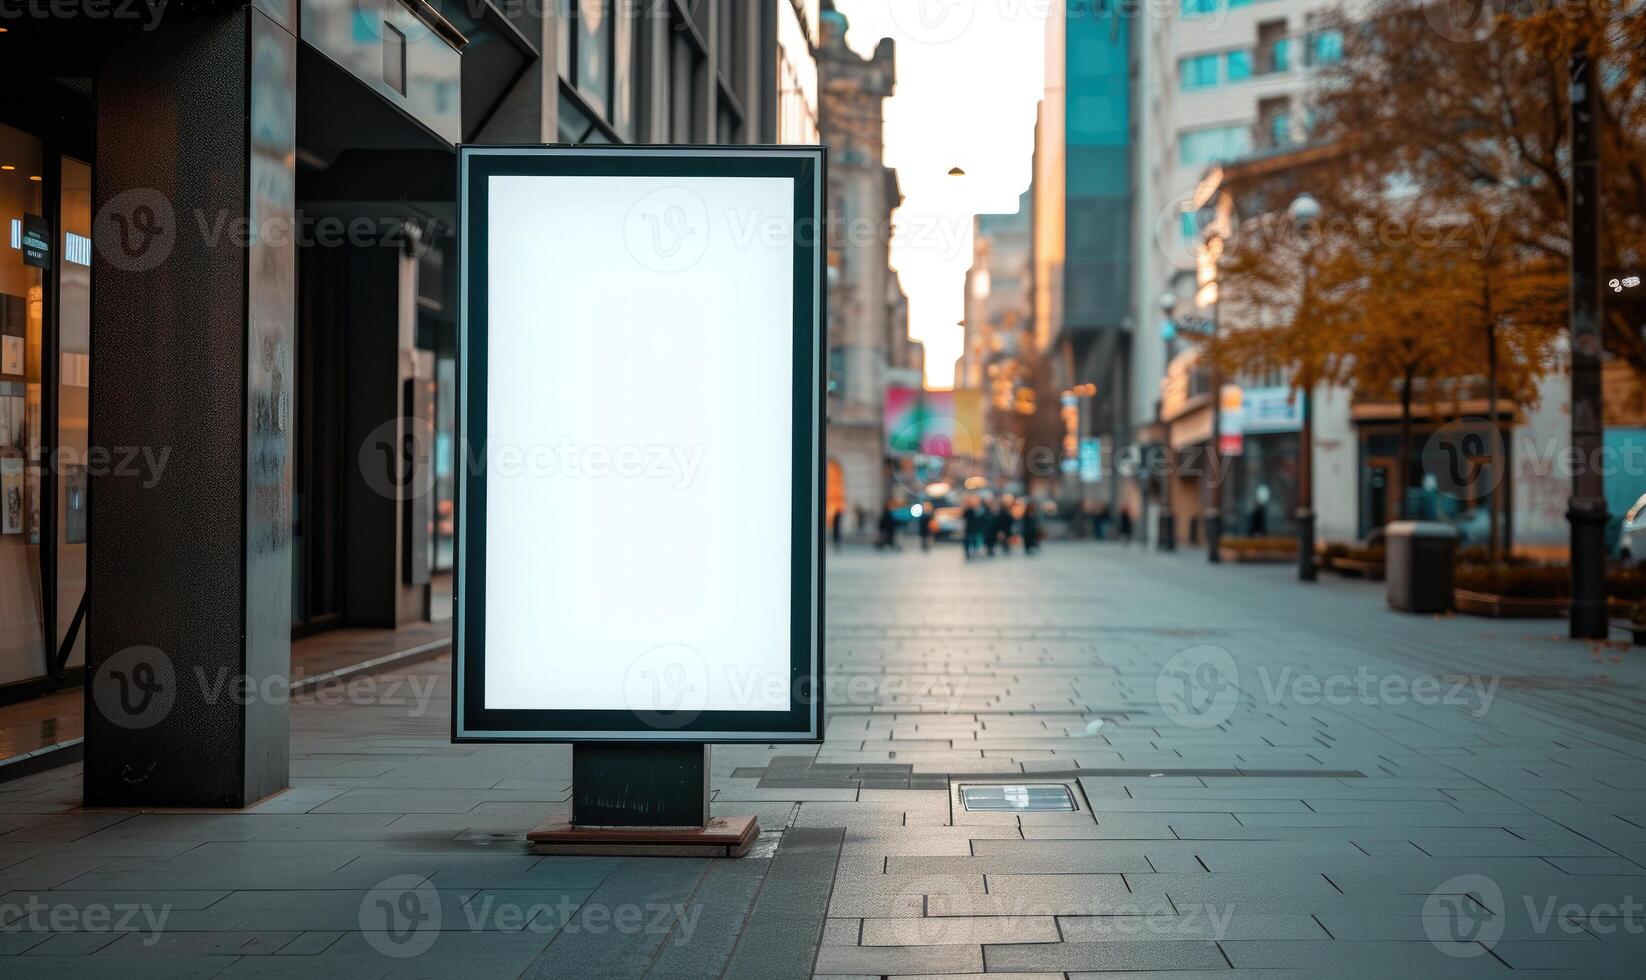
[388, 421]
[189, 578]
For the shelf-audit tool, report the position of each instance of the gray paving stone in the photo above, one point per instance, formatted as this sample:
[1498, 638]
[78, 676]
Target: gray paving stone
[960, 930]
[1072, 956]
[899, 960]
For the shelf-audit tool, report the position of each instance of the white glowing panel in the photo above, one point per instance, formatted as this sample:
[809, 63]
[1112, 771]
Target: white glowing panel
[639, 404]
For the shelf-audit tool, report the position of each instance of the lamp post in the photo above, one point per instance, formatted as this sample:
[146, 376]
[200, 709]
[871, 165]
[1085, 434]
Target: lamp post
[1215, 471]
[1586, 509]
[1168, 523]
[1304, 211]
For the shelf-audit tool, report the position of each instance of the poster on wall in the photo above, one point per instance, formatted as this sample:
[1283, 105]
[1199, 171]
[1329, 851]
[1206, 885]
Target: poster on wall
[639, 560]
[31, 504]
[11, 495]
[11, 355]
[17, 416]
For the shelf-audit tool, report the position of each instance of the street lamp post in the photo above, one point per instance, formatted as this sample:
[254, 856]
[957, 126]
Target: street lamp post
[1168, 523]
[1304, 211]
[1214, 476]
[1587, 508]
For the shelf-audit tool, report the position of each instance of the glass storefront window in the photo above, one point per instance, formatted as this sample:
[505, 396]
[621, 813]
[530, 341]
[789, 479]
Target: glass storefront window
[73, 397]
[23, 646]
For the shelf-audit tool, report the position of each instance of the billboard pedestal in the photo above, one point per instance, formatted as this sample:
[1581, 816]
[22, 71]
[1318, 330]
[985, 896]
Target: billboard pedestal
[642, 798]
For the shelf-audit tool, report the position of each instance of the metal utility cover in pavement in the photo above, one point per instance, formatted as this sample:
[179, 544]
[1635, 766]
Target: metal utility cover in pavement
[1018, 797]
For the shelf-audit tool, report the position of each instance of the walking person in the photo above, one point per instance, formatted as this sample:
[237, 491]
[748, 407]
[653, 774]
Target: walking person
[1123, 526]
[837, 528]
[1003, 525]
[1031, 528]
[888, 528]
[972, 526]
[923, 523]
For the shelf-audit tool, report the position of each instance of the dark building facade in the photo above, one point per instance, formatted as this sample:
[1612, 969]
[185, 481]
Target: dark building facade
[227, 298]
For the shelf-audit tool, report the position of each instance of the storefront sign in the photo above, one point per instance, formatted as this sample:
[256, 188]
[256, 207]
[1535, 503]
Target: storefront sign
[640, 509]
[1272, 409]
[1231, 421]
[36, 241]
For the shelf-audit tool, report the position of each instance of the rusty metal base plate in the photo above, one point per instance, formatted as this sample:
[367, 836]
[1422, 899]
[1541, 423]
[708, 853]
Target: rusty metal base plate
[722, 837]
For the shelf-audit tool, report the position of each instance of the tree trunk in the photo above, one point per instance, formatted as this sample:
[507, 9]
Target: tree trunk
[1405, 444]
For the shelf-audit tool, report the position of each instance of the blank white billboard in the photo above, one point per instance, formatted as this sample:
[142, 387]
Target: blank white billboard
[643, 388]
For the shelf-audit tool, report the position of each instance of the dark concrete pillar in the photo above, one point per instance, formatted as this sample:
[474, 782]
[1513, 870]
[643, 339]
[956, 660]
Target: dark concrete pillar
[189, 578]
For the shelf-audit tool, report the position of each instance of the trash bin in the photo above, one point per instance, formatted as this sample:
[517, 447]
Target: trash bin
[1418, 565]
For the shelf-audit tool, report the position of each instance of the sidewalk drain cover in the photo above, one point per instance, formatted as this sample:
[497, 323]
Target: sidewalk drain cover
[998, 796]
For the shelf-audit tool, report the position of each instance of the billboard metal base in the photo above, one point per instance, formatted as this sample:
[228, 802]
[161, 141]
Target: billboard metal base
[642, 798]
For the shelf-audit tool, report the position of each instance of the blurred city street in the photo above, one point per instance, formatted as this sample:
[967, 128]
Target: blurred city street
[1263, 777]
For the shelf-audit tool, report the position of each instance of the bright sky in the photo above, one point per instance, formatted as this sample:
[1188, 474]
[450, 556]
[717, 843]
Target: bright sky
[969, 74]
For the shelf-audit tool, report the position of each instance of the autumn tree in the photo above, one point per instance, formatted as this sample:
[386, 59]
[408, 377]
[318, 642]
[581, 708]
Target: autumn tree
[1466, 107]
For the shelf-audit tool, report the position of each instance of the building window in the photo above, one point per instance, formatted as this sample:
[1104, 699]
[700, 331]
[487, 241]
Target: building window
[1325, 48]
[1198, 147]
[1239, 65]
[596, 43]
[1273, 48]
[623, 71]
[1198, 71]
[1274, 122]
[686, 124]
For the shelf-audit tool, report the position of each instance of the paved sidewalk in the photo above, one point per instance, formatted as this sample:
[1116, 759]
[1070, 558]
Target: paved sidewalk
[1271, 780]
[46, 732]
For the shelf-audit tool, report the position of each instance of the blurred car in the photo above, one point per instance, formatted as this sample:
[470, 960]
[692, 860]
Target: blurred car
[949, 521]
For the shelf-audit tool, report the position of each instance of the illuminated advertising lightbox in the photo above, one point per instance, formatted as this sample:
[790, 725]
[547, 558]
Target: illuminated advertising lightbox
[641, 418]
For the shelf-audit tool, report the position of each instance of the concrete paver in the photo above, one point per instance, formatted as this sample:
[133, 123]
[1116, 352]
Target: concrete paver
[1269, 778]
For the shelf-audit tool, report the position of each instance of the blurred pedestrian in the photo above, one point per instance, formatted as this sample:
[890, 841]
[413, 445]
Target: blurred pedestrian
[1123, 526]
[923, 524]
[888, 529]
[972, 519]
[1031, 528]
[1003, 525]
[1100, 522]
[837, 527]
